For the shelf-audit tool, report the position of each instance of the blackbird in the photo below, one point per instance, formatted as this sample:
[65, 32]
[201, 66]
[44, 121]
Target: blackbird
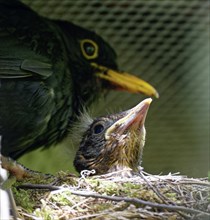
[114, 142]
[50, 70]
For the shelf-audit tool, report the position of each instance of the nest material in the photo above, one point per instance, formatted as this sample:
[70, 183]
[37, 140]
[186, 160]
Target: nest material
[112, 197]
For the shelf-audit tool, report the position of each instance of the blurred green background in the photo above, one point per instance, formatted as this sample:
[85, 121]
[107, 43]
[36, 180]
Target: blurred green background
[166, 42]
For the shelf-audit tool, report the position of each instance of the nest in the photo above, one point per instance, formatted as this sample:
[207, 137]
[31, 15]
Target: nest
[110, 196]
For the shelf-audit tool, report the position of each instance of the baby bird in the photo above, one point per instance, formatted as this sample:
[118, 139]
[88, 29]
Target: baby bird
[114, 142]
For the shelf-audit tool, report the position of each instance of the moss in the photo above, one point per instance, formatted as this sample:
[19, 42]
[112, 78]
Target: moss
[62, 204]
[24, 199]
[131, 189]
[46, 214]
[108, 187]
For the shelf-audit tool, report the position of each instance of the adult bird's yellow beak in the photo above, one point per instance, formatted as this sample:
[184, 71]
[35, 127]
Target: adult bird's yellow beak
[125, 81]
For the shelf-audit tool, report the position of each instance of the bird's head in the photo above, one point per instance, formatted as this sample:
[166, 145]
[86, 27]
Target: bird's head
[94, 64]
[114, 142]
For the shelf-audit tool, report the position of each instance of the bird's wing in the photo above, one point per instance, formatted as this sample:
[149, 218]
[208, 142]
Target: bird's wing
[25, 48]
[20, 68]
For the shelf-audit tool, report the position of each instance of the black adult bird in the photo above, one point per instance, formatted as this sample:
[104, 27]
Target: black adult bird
[114, 142]
[49, 69]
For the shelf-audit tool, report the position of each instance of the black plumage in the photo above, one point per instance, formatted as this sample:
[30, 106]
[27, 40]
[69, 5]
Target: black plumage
[114, 142]
[49, 69]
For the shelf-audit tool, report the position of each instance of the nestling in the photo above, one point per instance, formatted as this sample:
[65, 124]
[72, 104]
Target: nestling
[114, 142]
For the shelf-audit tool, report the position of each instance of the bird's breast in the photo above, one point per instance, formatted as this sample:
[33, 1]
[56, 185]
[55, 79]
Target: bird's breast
[31, 112]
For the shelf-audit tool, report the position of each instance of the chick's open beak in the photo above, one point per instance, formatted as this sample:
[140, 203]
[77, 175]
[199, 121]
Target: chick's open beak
[133, 119]
[125, 81]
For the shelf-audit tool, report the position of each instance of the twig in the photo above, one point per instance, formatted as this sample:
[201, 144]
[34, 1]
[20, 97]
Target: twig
[194, 182]
[117, 199]
[85, 216]
[12, 204]
[40, 186]
[158, 193]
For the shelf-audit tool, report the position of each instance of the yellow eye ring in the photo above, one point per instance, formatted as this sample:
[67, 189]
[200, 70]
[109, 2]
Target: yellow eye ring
[89, 49]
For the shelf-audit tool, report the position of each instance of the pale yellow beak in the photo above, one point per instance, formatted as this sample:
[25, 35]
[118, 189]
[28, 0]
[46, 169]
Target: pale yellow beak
[133, 118]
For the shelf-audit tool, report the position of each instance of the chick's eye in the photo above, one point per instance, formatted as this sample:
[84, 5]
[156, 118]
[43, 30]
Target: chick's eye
[98, 129]
[89, 49]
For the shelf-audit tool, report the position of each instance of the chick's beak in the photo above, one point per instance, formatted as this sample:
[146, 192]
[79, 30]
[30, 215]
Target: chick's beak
[125, 81]
[133, 119]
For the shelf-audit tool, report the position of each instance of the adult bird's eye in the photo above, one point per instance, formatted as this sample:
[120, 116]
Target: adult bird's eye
[98, 128]
[89, 49]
